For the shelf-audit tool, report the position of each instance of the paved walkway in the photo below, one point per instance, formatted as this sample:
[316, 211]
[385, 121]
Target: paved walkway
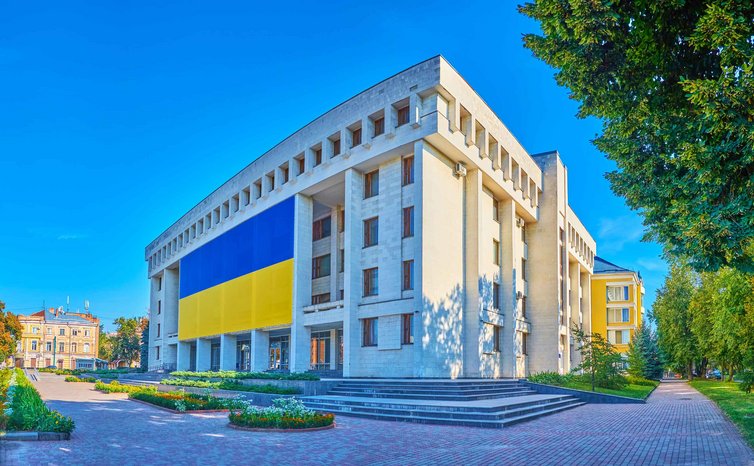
[677, 426]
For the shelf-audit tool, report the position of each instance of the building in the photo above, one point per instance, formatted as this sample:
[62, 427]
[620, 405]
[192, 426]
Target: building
[617, 303]
[404, 233]
[56, 338]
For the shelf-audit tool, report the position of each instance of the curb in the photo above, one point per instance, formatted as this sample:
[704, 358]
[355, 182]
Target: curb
[34, 436]
[282, 431]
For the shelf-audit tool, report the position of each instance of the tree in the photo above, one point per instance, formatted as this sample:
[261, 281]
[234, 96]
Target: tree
[10, 332]
[599, 361]
[671, 311]
[673, 84]
[127, 339]
[105, 349]
[144, 358]
[643, 354]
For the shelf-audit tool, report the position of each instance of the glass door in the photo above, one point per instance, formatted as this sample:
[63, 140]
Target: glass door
[279, 353]
[243, 356]
[320, 350]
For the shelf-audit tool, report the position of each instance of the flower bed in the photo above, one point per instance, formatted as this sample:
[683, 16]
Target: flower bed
[247, 375]
[117, 387]
[284, 414]
[73, 378]
[23, 408]
[182, 401]
[232, 384]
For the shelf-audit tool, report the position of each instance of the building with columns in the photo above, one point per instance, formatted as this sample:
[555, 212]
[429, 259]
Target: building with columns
[404, 233]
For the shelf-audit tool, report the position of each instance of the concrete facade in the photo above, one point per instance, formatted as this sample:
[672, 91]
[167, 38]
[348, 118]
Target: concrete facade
[476, 263]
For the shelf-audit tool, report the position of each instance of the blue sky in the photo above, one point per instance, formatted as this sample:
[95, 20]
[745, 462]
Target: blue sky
[117, 117]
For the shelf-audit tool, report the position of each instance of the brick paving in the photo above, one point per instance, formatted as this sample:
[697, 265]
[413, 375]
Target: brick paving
[678, 425]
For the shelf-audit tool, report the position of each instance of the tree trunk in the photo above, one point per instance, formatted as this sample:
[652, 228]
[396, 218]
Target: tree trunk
[690, 369]
[730, 373]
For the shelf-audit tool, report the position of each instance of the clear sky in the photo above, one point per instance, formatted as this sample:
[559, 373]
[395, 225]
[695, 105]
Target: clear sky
[118, 117]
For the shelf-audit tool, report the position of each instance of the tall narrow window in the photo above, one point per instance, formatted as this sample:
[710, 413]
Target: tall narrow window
[369, 332]
[371, 232]
[496, 337]
[341, 220]
[379, 126]
[159, 283]
[524, 349]
[523, 307]
[370, 282]
[321, 266]
[158, 330]
[523, 269]
[371, 184]
[408, 275]
[159, 307]
[317, 156]
[74, 347]
[408, 171]
[407, 329]
[496, 252]
[301, 165]
[336, 147]
[157, 353]
[403, 115]
[408, 221]
[342, 261]
[321, 228]
[495, 210]
[496, 296]
[356, 137]
[86, 348]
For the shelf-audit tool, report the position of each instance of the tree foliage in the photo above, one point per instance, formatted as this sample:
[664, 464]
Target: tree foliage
[644, 354]
[126, 342]
[144, 357]
[599, 360]
[673, 84]
[10, 332]
[105, 349]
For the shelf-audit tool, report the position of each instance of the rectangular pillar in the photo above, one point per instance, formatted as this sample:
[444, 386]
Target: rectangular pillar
[203, 354]
[302, 281]
[228, 352]
[334, 349]
[473, 279]
[352, 286]
[260, 350]
[509, 302]
[184, 356]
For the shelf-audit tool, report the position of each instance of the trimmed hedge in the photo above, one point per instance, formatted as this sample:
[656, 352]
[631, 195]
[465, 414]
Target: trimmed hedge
[73, 378]
[24, 410]
[231, 384]
[181, 401]
[117, 387]
[247, 375]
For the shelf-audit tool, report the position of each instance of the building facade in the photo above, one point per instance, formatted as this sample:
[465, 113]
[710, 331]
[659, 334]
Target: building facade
[404, 233]
[56, 338]
[617, 303]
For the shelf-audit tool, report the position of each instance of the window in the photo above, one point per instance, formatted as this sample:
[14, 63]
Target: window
[408, 222]
[619, 337]
[496, 296]
[74, 347]
[34, 345]
[407, 329]
[159, 307]
[408, 171]
[62, 332]
[86, 347]
[523, 307]
[408, 275]
[158, 330]
[523, 232]
[157, 352]
[317, 156]
[496, 336]
[369, 332]
[321, 228]
[403, 115]
[301, 165]
[618, 315]
[371, 232]
[342, 261]
[523, 270]
[495, 210]
[75, 332]
[321, 266]
[371, 184]
[321, 298]
[356, 137]
[335, 146]
[379, 126]
[341, 220]
[35, 330]
[617, 293]
[496, 252]
[48, 346]
[49, 330]
[61, 347]
[86, 333]
[524, 350]
[370, 282]
[159, 284]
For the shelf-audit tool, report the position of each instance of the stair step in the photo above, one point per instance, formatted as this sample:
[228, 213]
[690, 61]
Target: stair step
[437, 397]
[497, 423]
[407, 405]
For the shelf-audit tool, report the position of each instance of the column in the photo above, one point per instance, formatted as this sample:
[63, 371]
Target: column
[260, 350]
[184, 356]
[334, 349]
[474, 280]
[334, 253]
[509, 287]
[228, 352]
[203, 354]
[354, 192]
[302, 281]
[574, 272]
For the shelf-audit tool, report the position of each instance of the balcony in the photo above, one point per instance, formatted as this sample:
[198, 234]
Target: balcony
[323, 307]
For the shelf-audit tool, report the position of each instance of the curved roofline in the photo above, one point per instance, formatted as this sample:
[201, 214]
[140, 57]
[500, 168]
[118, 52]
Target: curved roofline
[296, 132]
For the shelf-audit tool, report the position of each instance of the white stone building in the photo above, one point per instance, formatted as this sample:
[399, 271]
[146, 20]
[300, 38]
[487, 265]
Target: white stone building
[412, 236]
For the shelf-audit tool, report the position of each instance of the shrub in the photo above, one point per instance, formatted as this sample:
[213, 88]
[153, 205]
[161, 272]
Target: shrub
[746, 381]
[247, 375]
[231, 384]
[25, 410]
[116, 387]
[182, 401]
[73, 378]
[633, 380]
[551, 378]
[285, 413]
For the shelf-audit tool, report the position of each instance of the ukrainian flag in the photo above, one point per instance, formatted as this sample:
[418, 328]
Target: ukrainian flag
[242, 279]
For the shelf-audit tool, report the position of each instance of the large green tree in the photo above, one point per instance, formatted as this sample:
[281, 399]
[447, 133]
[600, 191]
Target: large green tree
[10, 332]
[643, 354]
[127, 339]
[105, 350]
[673, 83]
[674, 322]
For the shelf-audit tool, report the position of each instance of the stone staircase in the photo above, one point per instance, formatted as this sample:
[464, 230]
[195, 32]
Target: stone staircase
[471, 402]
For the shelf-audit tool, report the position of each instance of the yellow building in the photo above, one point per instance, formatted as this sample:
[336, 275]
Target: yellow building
[56, 338]
[617, 303]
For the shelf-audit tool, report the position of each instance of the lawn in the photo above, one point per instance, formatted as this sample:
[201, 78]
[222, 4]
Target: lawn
[630, 390]
[635, 387]
[736, 404]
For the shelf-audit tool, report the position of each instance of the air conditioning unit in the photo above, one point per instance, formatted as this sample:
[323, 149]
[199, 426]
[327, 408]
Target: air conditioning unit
[460, 169]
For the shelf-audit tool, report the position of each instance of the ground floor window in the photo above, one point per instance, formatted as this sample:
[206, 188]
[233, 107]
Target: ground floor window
[279, 352]
[407, 329]
[496, 335]
[369, 332]
[320, 350]
[524, 337]
[243, 355]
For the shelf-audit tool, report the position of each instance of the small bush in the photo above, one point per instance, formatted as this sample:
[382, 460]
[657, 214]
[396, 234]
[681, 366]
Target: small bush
[247, 375]
[231, 384]
[24, 409]
[73, 378]
[181, 401]
[746, 381]
[551, 378]
[285, 413]
[116, 387]
[633, 380]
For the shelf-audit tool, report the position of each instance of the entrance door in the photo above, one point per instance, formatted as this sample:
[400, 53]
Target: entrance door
[20, 363]
[243, 356]
[214, 362]
[320, 350]
[48, 362]
[33, 363]
[279, 352]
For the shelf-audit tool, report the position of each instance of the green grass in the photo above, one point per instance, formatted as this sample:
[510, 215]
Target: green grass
[630, 390]
[736, 404]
